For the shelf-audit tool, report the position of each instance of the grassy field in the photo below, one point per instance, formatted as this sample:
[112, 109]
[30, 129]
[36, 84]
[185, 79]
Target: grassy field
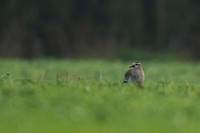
[86, 96]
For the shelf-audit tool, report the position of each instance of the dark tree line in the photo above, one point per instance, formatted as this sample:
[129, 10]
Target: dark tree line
[67, 28]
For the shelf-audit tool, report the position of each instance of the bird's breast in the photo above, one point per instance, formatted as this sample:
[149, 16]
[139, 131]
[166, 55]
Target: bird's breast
[137, 75]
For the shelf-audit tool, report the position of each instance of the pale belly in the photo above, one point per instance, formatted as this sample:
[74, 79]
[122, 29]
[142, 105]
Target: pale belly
[137, 77]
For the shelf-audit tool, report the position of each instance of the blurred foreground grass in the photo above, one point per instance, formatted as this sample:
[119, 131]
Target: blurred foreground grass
[86, 96]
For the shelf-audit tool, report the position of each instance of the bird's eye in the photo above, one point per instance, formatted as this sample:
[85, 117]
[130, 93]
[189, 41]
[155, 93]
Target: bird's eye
[136, 64]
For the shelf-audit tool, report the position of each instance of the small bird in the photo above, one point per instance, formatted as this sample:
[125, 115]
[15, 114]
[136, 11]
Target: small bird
[135, 74]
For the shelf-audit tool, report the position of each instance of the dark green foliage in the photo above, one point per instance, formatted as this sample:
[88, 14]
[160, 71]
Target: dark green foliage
[73, 28]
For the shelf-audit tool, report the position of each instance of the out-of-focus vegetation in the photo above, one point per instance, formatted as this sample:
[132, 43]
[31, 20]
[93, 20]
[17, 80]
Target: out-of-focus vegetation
[71, 28]
[48, 96]
[87, 95]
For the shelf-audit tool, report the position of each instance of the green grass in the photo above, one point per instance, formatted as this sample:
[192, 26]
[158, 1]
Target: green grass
[69, 96]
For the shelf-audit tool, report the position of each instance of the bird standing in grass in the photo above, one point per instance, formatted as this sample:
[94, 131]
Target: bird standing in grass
[135, 74]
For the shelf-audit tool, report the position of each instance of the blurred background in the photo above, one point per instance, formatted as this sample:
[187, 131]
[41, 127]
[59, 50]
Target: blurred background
[121, 29]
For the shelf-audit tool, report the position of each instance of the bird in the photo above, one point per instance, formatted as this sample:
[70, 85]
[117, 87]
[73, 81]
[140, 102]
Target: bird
[135, 74]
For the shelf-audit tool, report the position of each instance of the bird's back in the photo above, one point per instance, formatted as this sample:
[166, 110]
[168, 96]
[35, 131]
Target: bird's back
[127, 76]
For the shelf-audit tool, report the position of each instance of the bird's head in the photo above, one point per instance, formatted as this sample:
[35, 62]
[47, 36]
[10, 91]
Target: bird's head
[136, 65]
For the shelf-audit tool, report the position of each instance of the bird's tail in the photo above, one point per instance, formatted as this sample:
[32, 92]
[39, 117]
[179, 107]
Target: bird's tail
[125, 81]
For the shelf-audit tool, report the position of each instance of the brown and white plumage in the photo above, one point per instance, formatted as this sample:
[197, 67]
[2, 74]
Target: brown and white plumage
[127, 76]
[135, 74]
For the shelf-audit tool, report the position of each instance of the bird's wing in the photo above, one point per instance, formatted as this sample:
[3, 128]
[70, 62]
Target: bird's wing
[127, 76]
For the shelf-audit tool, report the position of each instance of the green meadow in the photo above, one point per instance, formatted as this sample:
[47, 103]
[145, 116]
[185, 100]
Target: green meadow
[87, 96]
